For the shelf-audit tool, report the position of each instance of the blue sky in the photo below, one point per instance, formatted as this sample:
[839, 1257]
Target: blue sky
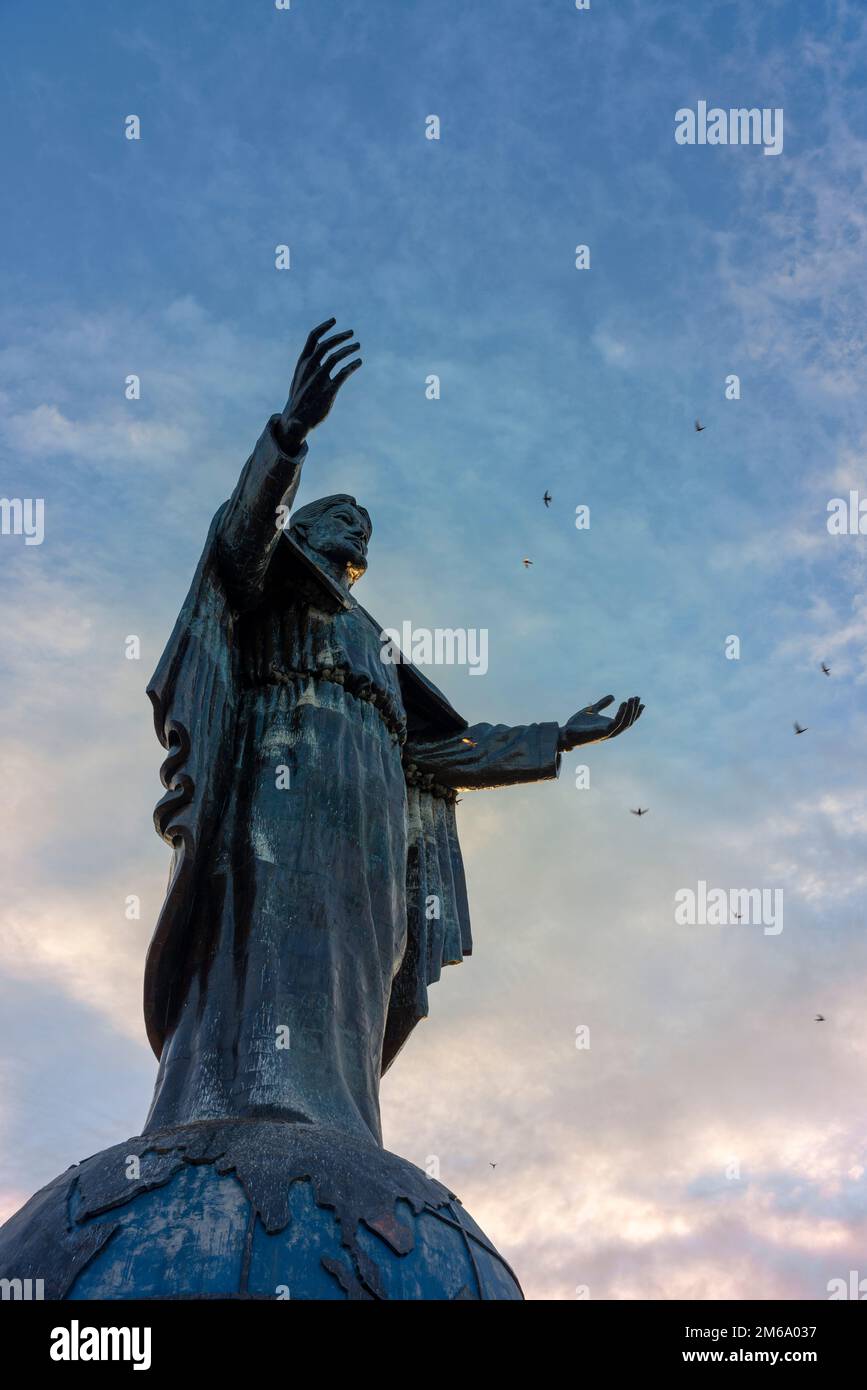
[456, 257]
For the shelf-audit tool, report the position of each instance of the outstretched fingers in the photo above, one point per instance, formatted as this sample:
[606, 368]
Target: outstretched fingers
[626, 716]
[338, 357]
[618, 723]
[314, 336]
[345, 374]
[600, 705]
[328, 343]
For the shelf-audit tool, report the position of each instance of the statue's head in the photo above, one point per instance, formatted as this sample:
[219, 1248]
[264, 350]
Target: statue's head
[335, 531]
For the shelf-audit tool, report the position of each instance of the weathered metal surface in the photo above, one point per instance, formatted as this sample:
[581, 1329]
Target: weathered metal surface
[251, 1209]
[317, 890]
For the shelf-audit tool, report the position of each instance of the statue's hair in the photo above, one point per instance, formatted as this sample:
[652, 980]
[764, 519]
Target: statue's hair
[314, 510]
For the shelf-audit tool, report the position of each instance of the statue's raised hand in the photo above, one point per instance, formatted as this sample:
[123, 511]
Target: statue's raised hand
[313, 388]
[590, 726]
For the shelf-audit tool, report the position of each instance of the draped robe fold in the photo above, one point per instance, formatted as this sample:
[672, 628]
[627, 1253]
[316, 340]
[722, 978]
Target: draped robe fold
[316, 886]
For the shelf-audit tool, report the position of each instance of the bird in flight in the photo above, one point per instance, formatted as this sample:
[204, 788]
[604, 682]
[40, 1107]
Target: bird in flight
[493, 1165]
[820, 1018]
[547, 498]
[800, 729]
[826, 669]
[470, 742]
[526, 563]
[699, 427]
[738, 916]
[642, 811]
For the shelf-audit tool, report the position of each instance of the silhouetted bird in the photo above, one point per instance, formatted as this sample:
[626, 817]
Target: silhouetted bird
[547, 498]
[699, 427]
[820, 1018]
[642, 811]
[798, 729]
[493, 1165]
[826, 670]
[526, 564]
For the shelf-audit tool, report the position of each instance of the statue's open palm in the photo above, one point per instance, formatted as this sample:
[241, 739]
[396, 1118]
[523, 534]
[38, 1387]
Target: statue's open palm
[313, 388]
[589, 725]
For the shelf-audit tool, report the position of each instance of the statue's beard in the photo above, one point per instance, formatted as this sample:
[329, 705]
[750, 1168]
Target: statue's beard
[350, 559]
[346, 559]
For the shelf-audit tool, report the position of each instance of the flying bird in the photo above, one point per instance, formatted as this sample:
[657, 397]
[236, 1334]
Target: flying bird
[470, 742]
[493, 1165]
[738, 916]
[826, 669]
[526, 563]
[820, 1018]
[799, 729]
[642, 811]
[699, 427]
[547, 498]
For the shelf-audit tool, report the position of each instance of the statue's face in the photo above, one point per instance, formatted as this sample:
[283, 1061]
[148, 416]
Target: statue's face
[340, 536]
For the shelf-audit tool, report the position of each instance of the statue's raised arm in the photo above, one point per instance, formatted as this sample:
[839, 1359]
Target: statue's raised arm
[259, 507]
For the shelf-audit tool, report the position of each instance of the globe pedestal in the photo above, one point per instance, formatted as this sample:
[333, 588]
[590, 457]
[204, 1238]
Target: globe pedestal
[251, 1209]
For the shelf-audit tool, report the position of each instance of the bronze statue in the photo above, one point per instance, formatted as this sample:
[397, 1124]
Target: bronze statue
[303, 904]
[316, 891]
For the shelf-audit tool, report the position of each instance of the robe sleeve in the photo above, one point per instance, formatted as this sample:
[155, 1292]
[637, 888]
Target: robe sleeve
[249, 531]
[488, 755]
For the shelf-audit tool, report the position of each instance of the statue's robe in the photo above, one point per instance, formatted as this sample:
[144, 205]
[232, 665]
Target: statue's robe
[316, 886]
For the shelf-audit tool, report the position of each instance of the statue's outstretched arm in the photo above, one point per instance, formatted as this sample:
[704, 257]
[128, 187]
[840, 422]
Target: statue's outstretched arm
[488, 755]
[259, 507]
[497, 755]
